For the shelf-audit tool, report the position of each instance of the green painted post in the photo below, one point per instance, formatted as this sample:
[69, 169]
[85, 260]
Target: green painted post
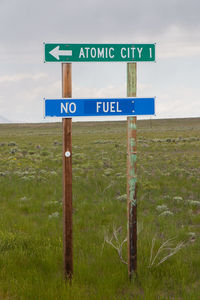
[132, 174]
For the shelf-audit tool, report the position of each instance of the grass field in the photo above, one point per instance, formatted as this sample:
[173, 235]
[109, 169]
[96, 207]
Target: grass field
[168, 211]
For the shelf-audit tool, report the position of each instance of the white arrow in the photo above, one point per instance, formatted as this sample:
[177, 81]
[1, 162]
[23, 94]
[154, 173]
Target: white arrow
[56, 52]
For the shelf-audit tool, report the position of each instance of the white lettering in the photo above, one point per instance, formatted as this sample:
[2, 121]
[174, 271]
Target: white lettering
[81, 53]
[93, 52]
[139, 51]
[106, 52]
[111, 49]
[105, 107]
[133, 49]
[64, 107]
[150, 52]
[123, 55]
[70, 107]
[87, 49]
[100, 53]
[112, 109]
[118, 110]
[98, 106]
[108, 107]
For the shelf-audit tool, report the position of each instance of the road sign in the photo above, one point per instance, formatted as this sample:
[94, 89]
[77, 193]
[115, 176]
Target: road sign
[99, 52]
[99, 107]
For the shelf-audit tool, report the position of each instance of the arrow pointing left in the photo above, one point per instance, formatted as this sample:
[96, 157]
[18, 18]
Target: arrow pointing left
[56, 52]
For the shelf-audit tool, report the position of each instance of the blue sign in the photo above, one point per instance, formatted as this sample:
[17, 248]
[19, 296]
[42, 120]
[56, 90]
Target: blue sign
[69, 107]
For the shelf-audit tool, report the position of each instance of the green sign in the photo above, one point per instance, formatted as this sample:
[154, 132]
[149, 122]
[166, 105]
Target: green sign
[99, 52]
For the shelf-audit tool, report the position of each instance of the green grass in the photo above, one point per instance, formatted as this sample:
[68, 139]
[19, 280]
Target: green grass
[31, 210]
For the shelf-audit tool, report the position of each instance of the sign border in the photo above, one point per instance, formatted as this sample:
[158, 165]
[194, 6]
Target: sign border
[90, 61]
[106, 98]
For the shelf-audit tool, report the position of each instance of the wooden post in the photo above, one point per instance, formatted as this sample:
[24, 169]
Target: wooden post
[67, 176]
[131, 174]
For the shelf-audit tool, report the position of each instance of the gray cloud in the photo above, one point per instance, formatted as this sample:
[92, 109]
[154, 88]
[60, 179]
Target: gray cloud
[30, 22]
[25, 25]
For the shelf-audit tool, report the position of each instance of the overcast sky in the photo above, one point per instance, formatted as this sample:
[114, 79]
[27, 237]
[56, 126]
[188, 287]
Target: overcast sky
[174, 26]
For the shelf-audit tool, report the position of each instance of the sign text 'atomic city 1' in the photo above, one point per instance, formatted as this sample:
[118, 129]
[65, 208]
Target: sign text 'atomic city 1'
[99, 52]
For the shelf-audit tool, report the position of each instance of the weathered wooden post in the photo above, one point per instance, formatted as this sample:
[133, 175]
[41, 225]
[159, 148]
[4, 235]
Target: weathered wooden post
[67, 176]
[132, 174]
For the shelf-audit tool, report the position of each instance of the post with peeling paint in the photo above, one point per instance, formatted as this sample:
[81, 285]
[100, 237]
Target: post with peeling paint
[132, 174]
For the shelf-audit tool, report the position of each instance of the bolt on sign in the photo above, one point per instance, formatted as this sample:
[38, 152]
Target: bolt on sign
[99, 52]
